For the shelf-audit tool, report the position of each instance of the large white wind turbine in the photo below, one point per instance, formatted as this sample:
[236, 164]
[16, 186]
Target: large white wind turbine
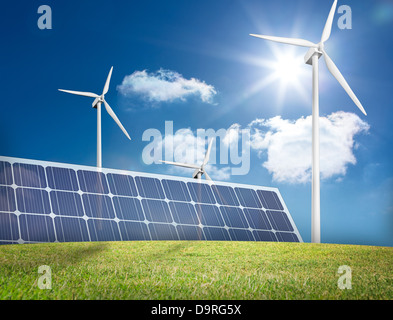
[99, 99]
[200, 170]
[312, 57]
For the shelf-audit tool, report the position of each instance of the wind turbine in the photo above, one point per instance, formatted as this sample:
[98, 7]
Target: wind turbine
[99, 99]
[200, 170]
[311, 58]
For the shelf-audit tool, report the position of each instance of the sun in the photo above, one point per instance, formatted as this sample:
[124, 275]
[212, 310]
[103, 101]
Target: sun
[287, 69]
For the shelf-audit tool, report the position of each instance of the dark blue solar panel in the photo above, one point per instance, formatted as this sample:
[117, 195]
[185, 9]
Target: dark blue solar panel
[8, 226]
[156, 211]
[264, 236]
[62, 179]
[29, 175]
[103, 230]
[122, 185]
[279, 220]
[216, 234]
[5, 173]
[190, 233]
[257, 219]
[176, 190]
[287, 237]
[270, 200]
[7, 199]
[36, 228]
[241, 235]
[160, 231]
[32, 200]
[133, 231]
[128, 209]
[234, 217]
[248, 198]
[184, 213]
[93, 182]
[66, 203]
[209, 215]
[98, 206]
[201, 192]
[71, 229]
[150, 188]
[225, 195]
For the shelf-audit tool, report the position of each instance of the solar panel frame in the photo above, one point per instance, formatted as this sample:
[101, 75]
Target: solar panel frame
[119, 221]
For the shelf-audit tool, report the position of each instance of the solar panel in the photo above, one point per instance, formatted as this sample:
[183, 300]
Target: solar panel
[52, 202]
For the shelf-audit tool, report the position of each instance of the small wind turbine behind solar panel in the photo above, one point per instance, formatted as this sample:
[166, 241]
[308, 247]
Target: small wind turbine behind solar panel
[99, 99]
[312, 56]
[200, 170]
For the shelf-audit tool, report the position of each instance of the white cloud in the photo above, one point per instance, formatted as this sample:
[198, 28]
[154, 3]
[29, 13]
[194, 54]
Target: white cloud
[287, 145]
[165, 86]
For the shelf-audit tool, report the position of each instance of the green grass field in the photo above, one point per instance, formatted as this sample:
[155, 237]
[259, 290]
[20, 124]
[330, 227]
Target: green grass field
[195, 270]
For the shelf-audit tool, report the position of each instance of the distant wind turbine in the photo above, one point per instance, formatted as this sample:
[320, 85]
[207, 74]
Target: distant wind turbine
[312, 57]
[200, 170]
[99, 99]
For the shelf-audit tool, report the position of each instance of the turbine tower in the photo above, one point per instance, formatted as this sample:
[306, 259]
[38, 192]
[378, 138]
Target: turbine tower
[99, 99]
[312, 58]
[199, 170]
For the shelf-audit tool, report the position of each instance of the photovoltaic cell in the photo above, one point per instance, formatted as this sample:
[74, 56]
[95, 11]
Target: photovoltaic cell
[36, 228]
[5, 173]
[92, 182]
[161, 231]
[257, 219]
[71, 229]
[225, 195]
[33, 201]
[156, 211]
[66, 203]
[201, 192]
[47, 202]
[279, 220]
[209, 215]
[150, 188]
[216, 234]
[7, 199]
[190, 233]
[132, 231]
[176, 190]
[8, 226]
[128, 209]
[122, 185]
[234, 217]
[62, 179]
[98, 206]
[184, 213]
[103, 230]
[248, 198]
[270, 200]
[28, 175]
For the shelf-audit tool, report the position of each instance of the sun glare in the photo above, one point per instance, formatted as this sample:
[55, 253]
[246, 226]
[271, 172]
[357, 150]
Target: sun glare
[287, 69]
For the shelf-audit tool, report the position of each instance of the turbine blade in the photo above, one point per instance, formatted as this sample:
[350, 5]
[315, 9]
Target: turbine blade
[207, 176]
[329, 23]
[85, 94]
[95, 101]
[112, 114]
[292, 41]
[108, 81]
[337, 74]
[207, 156]
[179, 164]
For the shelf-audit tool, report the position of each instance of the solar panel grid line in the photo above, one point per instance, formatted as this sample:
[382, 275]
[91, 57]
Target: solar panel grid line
[213, 198]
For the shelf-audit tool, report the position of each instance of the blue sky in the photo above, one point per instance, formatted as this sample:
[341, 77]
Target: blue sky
[209, 41]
